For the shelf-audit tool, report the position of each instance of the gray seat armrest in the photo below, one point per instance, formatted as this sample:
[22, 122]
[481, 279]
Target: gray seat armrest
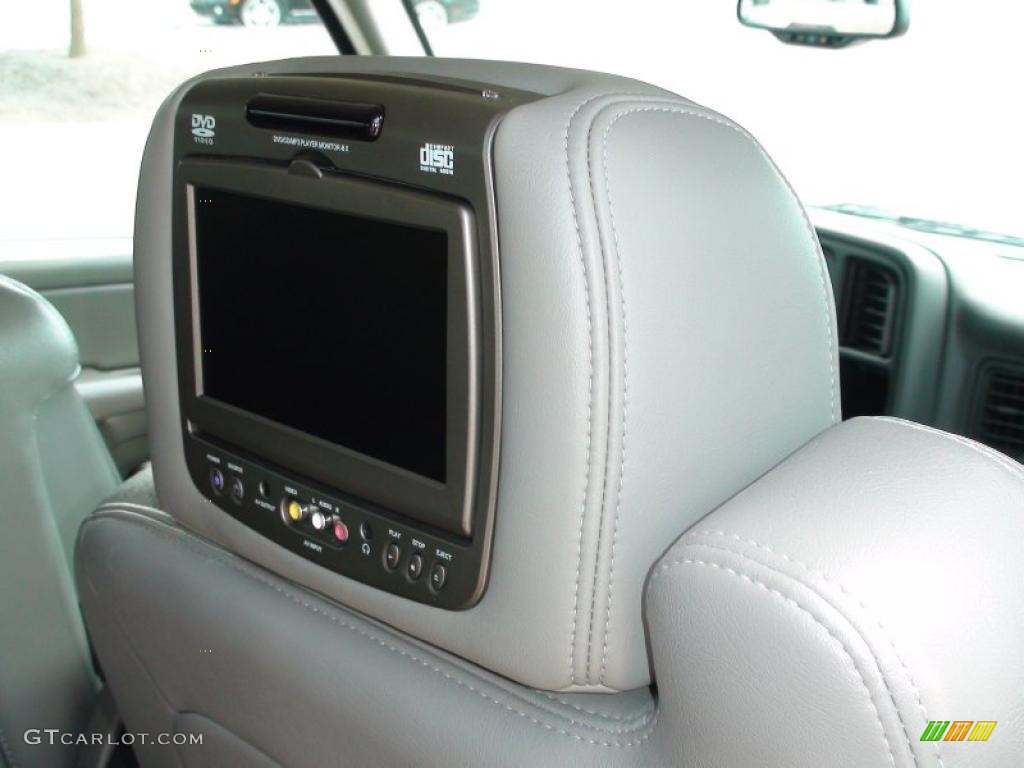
[868, 585]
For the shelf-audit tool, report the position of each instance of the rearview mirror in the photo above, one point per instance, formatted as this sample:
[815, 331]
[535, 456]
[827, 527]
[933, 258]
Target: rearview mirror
[827, 23]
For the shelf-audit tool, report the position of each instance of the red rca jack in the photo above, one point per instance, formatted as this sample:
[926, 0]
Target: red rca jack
[322, 521]
[340, 531]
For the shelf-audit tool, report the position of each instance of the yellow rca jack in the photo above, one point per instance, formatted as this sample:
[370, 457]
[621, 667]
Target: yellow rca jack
[294, 510]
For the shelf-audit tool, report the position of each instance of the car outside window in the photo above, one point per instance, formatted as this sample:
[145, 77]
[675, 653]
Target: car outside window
[928, 124]
[75, 107]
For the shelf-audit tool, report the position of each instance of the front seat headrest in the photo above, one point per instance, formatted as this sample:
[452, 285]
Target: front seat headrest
[667, 335]
[39, 352]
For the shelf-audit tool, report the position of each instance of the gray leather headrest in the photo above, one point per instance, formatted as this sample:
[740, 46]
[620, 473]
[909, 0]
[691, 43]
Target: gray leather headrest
[668, 336]
[38, 352]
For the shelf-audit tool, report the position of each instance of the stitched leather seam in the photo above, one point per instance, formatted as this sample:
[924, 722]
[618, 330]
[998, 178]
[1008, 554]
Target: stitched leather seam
[213, 556]
[120, 630]
[859, 603]
[671, 109]
[590, 397]
[610, 333]
[68, 596]
[640, 727]
[984, 451]
[665, 567]
[167, 532]
[988, 453]
[606, 715]
[162, 519]
[116, 616]
[152, 513]
[625, 387]
[822, 270]
[611, 729]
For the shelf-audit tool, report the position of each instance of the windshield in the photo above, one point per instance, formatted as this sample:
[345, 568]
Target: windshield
[928, 125]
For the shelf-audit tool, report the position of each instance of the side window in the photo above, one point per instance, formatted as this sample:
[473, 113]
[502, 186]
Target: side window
[80, 81]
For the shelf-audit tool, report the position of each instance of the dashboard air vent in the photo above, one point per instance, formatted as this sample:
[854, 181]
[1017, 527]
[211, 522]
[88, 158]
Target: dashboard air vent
[870, 307]
[1001, 420]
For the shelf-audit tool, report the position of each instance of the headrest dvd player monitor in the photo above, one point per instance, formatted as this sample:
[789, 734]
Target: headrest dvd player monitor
[338, 334]
[357, 333]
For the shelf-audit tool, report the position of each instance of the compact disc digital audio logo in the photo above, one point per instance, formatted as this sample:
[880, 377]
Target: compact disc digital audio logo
[437, 158]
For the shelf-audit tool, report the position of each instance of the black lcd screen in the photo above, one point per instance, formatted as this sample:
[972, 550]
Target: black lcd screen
[331, 324]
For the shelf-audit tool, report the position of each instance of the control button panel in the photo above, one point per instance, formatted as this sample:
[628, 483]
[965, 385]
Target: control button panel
[392, 556]
[217, 480]
[438, 577]
[237, 490]
[349, 537]
[415, 567]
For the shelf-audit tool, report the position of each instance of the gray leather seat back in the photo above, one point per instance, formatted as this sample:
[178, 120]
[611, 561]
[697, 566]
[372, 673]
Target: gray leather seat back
[866, 586]
[54, 469]
[668, 336]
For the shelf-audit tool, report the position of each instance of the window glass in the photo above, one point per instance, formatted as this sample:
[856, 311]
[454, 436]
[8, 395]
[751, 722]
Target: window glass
[928, 124]
[75, 106]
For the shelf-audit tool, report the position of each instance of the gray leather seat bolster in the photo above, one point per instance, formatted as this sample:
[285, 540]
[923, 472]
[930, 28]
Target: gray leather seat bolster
[869, 584]
[353, 682]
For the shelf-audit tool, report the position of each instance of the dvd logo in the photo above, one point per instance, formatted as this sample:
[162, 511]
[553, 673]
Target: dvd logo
[437, 158]
[203, 126]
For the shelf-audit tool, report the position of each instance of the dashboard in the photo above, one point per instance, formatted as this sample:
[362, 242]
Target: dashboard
[931, 327]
